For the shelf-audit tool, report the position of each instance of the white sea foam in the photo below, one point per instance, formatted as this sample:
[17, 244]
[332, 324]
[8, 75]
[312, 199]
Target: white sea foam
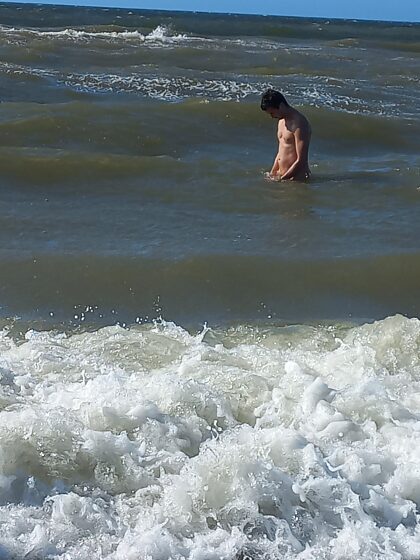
[317, 92]
[294, 442]
[166, 88]
[161, 34]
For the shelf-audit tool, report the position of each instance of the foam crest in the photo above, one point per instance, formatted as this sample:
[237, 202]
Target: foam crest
[174, 88]
[315, 91]
[160, 35]
[280, 442]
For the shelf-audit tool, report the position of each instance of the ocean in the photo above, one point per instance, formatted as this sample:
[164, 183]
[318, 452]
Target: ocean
[196, 363]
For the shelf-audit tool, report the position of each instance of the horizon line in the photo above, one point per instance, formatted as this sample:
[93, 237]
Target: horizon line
[354, 20]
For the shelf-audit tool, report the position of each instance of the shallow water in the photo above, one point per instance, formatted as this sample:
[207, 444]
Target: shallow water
[196, 363]
[134, 141]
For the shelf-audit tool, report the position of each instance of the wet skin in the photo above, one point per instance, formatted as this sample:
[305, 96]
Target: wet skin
[294, 135]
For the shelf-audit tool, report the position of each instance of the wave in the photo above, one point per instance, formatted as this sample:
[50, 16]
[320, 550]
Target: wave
[375, 132]
[42, 140]
[161, 34]
[48, 166]
[168, 88]
[173, 86]
[269, 36]
[210, 288]
[398, 45]
[249, 442]
[220, 25]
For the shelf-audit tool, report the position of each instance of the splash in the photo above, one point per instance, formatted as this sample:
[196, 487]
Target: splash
[152, 442]
[161, 34]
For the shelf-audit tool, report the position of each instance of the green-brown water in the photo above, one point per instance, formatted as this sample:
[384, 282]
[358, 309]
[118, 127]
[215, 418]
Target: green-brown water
[133, 142]
[132, 152]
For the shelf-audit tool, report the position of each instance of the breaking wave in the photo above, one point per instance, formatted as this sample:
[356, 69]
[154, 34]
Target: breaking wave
[161, 34]
[153, 442]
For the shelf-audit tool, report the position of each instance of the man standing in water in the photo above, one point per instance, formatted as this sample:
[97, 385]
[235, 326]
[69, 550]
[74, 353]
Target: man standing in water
[294, 135]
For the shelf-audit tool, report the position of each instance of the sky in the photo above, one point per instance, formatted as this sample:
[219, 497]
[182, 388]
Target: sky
[388, 10]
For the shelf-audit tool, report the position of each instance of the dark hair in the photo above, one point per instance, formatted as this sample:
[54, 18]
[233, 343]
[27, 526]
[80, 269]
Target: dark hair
[272, 98]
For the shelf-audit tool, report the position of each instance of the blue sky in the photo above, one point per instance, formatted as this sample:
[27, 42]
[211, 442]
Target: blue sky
[392, 10]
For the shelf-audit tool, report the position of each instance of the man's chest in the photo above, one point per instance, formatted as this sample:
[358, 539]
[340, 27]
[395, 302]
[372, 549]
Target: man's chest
[285, 136]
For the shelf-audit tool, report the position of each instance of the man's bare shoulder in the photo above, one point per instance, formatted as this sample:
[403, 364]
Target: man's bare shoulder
[298, 120]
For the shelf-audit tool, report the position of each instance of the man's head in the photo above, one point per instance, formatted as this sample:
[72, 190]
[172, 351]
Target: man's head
[272, 101]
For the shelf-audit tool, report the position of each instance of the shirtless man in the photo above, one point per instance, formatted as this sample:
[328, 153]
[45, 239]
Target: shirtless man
[294, 135]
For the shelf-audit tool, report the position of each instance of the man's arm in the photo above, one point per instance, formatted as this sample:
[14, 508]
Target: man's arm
[302, 138]
[275, 168]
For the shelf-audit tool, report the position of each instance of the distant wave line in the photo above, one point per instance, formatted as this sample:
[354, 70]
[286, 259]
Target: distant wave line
[161, 33]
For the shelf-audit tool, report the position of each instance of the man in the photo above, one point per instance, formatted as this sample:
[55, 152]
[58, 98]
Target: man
[294, 135]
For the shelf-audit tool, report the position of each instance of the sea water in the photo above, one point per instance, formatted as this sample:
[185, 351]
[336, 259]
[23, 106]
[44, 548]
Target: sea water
[195, 363]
